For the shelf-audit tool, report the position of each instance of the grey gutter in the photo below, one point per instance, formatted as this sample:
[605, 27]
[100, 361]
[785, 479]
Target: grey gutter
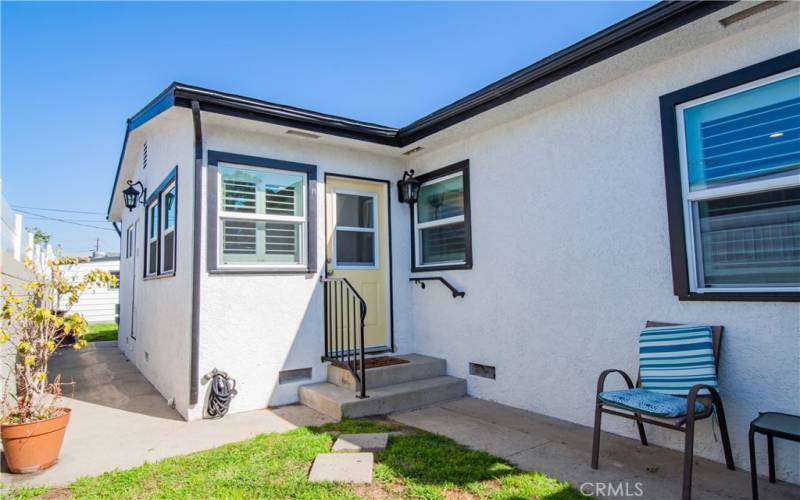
[196, 270]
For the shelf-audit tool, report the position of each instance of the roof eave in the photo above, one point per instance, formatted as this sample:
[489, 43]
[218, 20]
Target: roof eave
[628, 33]
[254, 109]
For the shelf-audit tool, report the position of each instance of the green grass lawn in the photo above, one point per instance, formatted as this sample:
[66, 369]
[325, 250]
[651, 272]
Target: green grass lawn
[416, 464]
[102, 331]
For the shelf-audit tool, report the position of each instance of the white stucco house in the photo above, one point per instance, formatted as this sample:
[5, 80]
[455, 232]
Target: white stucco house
[648, 172]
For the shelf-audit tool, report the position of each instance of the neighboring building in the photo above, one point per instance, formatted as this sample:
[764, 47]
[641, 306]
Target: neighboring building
[651, 171]
[100, 304]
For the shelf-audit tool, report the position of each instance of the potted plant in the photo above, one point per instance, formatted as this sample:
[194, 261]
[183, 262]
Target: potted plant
[35, 320]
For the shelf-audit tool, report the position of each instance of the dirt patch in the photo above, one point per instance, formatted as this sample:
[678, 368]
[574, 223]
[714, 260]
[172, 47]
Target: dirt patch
[374, 491]
[458, 495]
[380, 490]
[56, 494]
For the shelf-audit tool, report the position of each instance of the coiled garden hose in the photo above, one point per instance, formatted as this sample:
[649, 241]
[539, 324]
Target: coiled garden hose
[223, 389]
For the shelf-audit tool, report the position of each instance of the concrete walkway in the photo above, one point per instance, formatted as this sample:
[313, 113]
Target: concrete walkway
[562, 450]
[120, 421]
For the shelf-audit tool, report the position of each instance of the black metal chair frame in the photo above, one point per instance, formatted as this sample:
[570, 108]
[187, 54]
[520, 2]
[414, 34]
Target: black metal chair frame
[685, 424]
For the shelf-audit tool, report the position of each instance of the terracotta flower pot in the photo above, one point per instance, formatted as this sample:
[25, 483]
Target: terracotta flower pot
[34, 446]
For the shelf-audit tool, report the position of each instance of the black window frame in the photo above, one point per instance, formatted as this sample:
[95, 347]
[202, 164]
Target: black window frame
[157, 195]
[672, 175]
[463, 167]
[212, 236]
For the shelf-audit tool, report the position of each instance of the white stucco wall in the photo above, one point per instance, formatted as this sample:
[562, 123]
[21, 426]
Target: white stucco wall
[254, 326]
[162, 319]
[571, 257]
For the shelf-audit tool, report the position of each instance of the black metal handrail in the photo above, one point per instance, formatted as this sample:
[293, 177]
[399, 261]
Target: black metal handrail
[421, 282]
[345, 311]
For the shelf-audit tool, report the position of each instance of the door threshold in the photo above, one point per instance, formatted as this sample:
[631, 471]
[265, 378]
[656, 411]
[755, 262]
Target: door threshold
[377, 350]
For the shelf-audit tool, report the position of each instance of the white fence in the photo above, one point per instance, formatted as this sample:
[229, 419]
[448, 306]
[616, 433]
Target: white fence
[17, 243]
[98, 305]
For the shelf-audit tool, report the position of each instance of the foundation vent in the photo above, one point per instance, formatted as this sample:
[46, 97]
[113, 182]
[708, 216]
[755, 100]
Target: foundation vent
[296, 375]
[484, 371]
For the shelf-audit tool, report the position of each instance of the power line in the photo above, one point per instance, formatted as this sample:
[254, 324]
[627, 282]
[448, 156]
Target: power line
[57, 210]
[32, 215]
[66, 221]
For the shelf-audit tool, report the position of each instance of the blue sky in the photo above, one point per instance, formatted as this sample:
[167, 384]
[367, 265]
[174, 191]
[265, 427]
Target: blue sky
[72, 73]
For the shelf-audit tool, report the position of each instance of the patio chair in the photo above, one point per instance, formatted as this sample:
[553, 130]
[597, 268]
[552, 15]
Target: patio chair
[664, 397]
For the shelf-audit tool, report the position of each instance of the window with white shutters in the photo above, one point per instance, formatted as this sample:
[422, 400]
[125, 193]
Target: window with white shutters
[261, 216]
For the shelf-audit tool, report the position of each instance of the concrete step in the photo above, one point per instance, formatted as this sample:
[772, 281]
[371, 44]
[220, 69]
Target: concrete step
[418, 367]
[339, 402]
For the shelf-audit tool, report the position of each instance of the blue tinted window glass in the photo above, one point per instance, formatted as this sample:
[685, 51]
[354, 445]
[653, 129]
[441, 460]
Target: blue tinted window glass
[754, 133]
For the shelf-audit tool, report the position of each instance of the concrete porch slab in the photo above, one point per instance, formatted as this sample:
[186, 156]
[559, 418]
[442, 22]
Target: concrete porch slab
[342, 467]
[562, 449]
[361, 442]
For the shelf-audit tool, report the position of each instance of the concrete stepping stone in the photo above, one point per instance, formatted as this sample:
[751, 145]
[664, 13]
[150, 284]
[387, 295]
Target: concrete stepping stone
[343, 467]
[361, 442]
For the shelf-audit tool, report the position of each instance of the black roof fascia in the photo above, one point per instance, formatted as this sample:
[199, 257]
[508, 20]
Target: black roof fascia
[652, 22]
[256, 109]
[162, 102]
[626, 34]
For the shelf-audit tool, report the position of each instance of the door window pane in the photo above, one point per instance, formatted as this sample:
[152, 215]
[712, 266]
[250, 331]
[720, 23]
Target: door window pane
[354, 210]
[750, 134]
[445, 243]
[441, 200]
[355, 248]
[751, 240]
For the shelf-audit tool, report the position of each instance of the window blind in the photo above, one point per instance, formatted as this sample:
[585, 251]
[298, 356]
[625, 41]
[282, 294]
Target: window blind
[754, 133]
[238, 196]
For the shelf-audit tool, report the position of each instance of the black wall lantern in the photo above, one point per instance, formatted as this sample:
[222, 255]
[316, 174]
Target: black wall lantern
[132, 195]
[408, 188]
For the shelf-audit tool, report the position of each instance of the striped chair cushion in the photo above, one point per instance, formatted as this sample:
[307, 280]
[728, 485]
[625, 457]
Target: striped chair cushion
[674, 358]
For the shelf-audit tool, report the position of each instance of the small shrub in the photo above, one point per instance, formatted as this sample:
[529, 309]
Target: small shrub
[35, 319]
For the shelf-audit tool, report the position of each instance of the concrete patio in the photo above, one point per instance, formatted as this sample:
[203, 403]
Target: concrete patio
[120, 421]
[561, 449]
